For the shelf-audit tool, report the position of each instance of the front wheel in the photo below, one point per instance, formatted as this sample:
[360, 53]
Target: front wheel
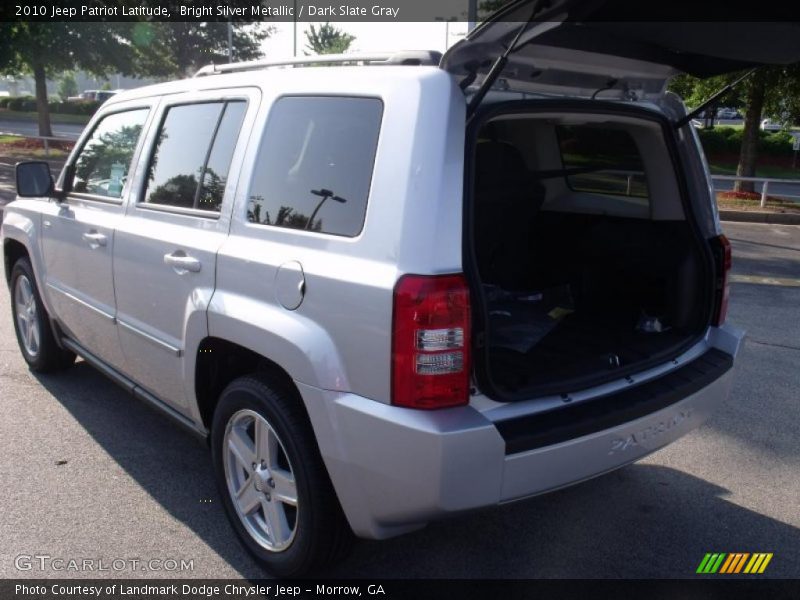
[270, 474]
[32, 324]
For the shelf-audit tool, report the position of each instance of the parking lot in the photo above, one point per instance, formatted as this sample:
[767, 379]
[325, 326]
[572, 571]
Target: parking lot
[88, 472]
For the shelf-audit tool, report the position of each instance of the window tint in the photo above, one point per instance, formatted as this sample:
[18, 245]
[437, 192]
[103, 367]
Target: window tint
[215, 174]
[315, 163]
[104, 161]
[184, 155]
[610, 157]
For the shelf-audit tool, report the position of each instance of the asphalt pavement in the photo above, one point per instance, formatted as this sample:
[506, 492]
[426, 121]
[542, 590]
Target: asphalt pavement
[69, 131]
[88, 472]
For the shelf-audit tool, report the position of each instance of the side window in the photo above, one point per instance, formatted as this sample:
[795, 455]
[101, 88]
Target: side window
[314, 167]
[610, 158]
[102, 166]
[192, 156]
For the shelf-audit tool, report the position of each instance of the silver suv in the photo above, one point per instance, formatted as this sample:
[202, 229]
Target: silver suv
[397, 288]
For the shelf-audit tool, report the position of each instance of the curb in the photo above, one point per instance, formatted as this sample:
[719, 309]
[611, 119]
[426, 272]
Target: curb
[753, 216]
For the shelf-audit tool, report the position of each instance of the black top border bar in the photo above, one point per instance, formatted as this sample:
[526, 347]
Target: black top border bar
[274, 11]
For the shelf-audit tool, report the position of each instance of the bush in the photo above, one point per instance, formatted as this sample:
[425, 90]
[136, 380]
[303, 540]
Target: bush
[727, 140]
[83, 107]
[57, 106]
[22, 103]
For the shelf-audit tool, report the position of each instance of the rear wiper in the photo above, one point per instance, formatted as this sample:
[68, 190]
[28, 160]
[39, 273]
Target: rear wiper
[500, 64]
[680, 123]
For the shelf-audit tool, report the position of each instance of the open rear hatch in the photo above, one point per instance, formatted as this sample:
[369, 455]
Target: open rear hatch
[584, 257]
[575, 47]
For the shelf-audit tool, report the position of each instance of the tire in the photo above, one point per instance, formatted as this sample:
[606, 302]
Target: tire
[307, 529]
[32, 323]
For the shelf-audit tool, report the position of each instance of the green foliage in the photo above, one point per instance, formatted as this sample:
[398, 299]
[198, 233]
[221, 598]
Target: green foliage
[67, 86]
[83, 107]
[21, 103]
[782, 99]
[101, 154]
[487, 7]
[327, 39]
[62, 46]
[178, 49]
[728, 140]
[28, 104]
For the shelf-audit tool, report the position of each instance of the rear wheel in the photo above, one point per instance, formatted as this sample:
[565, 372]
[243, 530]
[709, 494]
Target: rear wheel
[32, 324]
[274, 485]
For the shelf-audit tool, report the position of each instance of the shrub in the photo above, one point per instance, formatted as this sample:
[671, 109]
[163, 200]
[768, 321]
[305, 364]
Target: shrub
[728, 140]
[83, 107]
[22, 103]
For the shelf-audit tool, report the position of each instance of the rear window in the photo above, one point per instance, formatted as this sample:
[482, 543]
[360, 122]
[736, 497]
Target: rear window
[609, 156]
[314, 167]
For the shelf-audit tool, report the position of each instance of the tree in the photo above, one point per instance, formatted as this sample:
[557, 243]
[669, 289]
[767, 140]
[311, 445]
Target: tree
[327, 39]
[67, 86]
[48, 48]
[774, 91]
[770, 91]
[178, 49]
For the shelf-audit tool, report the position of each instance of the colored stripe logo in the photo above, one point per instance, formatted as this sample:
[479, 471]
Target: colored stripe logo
[734, 562]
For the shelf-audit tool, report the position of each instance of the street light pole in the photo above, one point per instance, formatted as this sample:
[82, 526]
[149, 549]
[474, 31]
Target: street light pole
[230, 42]
[294, 32]
[472, 15]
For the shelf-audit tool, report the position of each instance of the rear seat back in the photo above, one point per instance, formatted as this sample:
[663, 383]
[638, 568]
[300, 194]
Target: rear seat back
[507, 198]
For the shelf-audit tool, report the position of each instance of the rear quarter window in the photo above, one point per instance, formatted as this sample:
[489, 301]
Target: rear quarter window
[314, 165]
[610, 157]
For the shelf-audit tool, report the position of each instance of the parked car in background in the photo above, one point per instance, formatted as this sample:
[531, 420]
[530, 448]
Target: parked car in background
[103, 95]
[728, 114]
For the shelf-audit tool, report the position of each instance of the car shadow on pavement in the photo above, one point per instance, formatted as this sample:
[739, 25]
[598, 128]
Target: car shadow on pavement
[641, 521]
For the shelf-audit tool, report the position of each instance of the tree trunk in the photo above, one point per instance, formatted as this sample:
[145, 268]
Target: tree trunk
[41, 100]
[748, 154]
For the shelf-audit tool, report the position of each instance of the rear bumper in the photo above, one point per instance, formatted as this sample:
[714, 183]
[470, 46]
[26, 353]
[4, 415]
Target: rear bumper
[396, 469]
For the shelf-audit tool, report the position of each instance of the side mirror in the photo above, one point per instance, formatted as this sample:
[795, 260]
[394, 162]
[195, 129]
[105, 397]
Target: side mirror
[34, 179]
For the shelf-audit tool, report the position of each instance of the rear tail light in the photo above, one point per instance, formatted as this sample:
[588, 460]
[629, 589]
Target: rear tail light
[430, 341]
[722, 262]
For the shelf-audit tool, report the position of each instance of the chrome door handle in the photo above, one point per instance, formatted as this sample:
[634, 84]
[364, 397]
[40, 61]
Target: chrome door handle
[95, 239]
[182, 263]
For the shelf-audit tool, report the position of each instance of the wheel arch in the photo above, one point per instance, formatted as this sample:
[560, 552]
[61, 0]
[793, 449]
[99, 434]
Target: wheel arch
[13, 250]
[220, 361]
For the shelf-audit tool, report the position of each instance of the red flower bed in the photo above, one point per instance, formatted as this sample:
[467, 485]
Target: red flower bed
[34, 144]
[740, 195]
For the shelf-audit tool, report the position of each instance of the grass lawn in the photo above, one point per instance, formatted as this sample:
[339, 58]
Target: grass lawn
[752, 201]
[11, 115]
[761, 171]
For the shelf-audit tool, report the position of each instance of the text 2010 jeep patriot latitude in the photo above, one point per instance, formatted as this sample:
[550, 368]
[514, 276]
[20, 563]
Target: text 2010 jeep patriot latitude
[384, 294]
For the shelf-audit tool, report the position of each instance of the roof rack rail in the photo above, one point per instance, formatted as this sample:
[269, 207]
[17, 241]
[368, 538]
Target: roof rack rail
[406, 57]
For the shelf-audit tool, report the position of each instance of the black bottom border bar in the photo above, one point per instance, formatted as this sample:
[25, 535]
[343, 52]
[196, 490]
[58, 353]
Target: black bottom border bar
[704, 587]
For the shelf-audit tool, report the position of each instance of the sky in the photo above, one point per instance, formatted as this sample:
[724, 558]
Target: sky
[370, 37]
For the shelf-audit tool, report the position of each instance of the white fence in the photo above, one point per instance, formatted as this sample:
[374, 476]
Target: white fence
[766, 180]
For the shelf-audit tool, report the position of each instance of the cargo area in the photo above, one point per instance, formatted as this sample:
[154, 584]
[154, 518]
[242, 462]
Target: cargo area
[589, 267]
